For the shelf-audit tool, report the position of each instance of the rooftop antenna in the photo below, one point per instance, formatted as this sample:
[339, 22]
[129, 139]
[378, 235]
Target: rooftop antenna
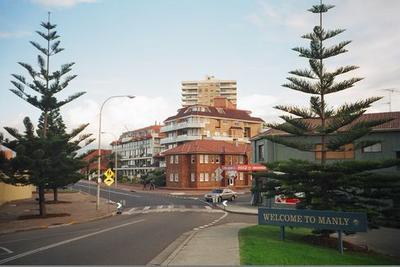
[391, 91]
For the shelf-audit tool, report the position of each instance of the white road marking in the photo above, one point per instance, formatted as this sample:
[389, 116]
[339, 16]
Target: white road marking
[34, 251]
[6, 250]
[146, 208]
[111, 191]
[131, 210]
[170, 206]
[160, 207]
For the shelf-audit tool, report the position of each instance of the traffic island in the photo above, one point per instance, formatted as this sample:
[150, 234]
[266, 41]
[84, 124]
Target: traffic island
[74, 207]
[262, 245]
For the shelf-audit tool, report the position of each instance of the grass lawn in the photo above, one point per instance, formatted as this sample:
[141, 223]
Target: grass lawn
[261, 245]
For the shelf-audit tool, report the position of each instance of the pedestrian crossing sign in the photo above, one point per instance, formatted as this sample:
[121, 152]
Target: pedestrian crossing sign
[109, 174]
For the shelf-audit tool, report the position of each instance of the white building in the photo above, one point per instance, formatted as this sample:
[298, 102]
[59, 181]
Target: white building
[137, 150]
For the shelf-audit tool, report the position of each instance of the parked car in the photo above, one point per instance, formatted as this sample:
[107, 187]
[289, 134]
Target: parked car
[221, 194]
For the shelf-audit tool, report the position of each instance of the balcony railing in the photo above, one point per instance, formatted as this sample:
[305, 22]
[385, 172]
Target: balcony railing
[182, 125]
[180, 138]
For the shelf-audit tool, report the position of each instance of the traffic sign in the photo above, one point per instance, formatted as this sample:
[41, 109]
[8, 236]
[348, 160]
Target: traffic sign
[218, 171]
[224, 203]
[109, 181]
[109, 173]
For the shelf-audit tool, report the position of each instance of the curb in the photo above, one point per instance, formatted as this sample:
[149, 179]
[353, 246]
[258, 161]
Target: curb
[170, 252]
[56, 225]
[236, 212]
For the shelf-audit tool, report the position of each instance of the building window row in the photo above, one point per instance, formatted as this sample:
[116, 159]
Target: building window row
[174, 159]
[174, 177]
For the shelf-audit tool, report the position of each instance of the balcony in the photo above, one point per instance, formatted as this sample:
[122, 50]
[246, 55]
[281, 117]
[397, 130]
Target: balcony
[180, 138]
[182, 125]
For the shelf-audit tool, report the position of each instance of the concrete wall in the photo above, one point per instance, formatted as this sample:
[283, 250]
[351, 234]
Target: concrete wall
[11, 192]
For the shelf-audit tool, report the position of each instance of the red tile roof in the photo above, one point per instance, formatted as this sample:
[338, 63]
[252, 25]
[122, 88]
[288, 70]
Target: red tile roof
[209, 147]
[238, 114]
[388, 126]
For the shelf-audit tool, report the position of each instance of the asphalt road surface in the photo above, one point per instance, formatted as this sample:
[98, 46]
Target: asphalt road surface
[149, 224]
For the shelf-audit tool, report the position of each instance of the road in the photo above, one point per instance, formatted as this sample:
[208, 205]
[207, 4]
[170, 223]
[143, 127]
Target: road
[150, 222]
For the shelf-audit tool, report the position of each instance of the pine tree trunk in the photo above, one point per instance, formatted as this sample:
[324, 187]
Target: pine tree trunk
[42, 204]
[55, 194]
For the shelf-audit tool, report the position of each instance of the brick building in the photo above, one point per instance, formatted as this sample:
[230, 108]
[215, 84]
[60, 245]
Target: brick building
[222, 122]
[91, 160]
[196, 165]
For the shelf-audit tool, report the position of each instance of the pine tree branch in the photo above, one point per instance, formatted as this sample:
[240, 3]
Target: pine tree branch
[301, 85]
[38, 47]
[343, 85]
[320, 8]
[303, 73]
[29, 68]
[297, 111]
[69, 99]
[303, 125]
[343, 70]
[356, 107]
[48, 25]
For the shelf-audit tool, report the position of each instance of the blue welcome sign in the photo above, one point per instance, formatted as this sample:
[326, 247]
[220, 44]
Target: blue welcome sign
[316, 219]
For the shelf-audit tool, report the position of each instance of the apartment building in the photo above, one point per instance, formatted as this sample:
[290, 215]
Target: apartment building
[137, 150]
[203, 92]
[201, 164]
[222, 122]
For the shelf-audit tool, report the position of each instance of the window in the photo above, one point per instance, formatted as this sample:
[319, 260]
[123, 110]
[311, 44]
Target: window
[193, 159]
[192, 177]
[176, 159]
[206, 177]
[201, 159]
[205, 158]
[171, 177]
[373, 149]
[241, 176]
[217, 159]
[241, 159]
[171, 159]
[345, 152]
[201, 177]
[260, 153]
[176, 177]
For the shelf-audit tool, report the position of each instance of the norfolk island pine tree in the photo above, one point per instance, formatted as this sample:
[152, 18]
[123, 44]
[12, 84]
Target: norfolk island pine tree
[46, 84]
[340, 185]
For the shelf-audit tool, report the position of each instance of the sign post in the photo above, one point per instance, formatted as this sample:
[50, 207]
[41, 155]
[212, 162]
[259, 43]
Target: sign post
[315, 219]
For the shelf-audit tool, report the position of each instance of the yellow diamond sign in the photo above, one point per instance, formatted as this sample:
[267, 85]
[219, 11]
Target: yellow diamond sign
[109, 181]
[109, 174]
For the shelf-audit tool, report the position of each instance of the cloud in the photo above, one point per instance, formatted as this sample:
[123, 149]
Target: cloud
[260, 105]
[119, 115]
[374, 48]
[18, 34]
[60, 3]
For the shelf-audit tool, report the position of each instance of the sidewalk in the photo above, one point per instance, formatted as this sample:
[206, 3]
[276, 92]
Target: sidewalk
[78, 206]
[218, 245]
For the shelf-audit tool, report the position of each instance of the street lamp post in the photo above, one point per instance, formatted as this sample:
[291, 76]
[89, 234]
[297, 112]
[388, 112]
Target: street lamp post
[99, 150]
[115, 159]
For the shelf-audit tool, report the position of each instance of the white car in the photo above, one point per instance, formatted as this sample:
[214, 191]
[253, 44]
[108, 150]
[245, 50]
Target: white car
[221, 194]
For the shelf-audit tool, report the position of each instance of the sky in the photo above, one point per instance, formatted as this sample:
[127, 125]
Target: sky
[147, 47]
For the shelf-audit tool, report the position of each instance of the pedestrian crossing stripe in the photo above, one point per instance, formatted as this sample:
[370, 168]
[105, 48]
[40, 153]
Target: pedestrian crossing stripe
[167, 208]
